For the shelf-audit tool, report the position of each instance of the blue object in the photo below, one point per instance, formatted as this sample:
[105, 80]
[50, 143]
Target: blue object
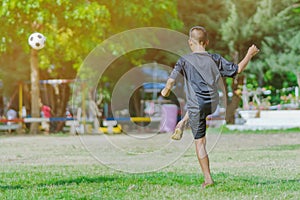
[152, 85]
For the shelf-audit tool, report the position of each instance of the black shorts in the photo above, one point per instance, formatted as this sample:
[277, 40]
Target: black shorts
[197, 119]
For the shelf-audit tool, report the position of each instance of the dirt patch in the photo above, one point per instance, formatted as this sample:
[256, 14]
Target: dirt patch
[146, 152]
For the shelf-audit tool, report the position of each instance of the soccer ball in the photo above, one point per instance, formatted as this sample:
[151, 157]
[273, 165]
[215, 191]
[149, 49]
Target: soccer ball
[36, 41]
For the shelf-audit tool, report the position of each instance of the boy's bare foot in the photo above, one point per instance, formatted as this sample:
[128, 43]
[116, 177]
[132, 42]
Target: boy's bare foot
[177, 135]
[205, 185]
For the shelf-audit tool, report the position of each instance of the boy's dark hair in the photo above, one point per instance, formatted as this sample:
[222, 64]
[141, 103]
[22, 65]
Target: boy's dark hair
[200, 35]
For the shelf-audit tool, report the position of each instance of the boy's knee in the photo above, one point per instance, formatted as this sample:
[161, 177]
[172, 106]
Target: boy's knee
[200, 147]
[201, 140]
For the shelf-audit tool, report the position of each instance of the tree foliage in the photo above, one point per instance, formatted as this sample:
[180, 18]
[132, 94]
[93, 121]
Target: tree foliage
[209, 14]
[235, 25]
[72, 29]
[282, 51]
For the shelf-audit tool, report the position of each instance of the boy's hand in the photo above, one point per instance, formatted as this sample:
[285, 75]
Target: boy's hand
[252, 51]
[165, 92]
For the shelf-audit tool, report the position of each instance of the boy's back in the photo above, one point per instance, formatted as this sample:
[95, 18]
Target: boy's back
[201, 74]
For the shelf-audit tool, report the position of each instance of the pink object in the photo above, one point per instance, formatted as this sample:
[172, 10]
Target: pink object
[47, 111]
[169, 118]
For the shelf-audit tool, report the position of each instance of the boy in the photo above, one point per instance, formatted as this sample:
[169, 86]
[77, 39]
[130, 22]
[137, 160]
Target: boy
[202, 72]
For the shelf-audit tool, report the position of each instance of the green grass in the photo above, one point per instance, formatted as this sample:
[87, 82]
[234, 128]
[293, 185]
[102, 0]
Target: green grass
[96, 182]
[240, 171]
[284, 147]
[225, 130]
[222, 129]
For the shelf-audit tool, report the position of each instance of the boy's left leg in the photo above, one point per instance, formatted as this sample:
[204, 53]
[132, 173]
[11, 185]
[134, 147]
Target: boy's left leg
[177, 135]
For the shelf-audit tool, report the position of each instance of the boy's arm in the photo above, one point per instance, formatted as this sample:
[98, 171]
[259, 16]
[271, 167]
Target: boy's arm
[171, 80]
[166, 91]
[252, 51]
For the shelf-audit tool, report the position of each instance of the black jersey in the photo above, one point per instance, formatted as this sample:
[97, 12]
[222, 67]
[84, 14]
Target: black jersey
[202, 72]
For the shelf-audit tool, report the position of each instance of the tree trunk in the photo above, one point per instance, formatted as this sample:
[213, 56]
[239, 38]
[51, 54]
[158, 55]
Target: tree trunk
[135, 104]
[235, 100]
[57, 97]
[298, 78]
[35, 91]
[298, 81]
[61, 105]
[231, 109]
[1, 103]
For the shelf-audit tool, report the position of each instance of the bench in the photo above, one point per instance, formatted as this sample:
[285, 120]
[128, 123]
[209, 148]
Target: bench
[9, 128]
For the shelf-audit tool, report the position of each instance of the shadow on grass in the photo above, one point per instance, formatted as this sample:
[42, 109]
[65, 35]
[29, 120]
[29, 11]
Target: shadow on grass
[11, 187]
[77, 181]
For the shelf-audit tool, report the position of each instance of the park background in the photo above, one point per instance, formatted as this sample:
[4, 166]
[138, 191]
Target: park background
[74, 29]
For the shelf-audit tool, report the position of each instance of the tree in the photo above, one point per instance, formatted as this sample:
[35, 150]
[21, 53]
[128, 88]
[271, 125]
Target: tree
[233, 26]
[245, 26]
[209, 14]
[130, 15]
[63, 23]
[282, 52]
[73, 29]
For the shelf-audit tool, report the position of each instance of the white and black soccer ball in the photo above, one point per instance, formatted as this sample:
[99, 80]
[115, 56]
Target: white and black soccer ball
[37, 41]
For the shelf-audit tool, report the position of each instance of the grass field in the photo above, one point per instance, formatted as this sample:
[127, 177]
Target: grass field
[244, 166]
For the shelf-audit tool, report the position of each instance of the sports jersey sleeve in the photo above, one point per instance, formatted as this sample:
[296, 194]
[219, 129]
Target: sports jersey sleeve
[226, 68]
[177, 69]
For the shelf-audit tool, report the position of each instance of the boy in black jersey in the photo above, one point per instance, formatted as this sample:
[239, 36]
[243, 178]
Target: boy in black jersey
[202, 72]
